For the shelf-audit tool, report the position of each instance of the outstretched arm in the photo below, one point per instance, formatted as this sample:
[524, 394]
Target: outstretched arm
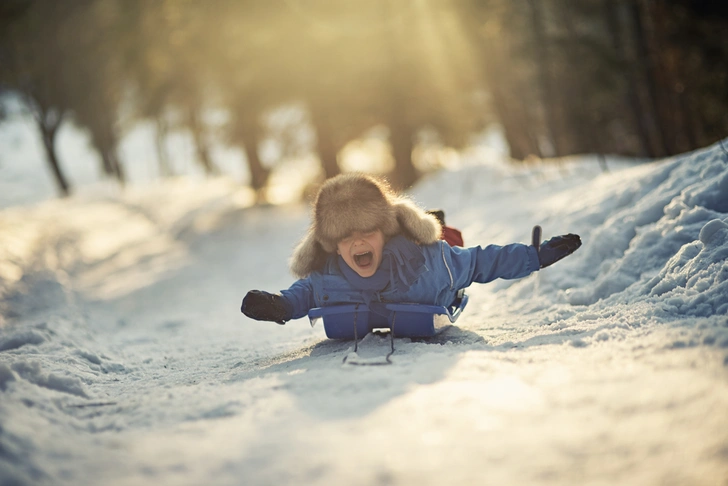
[512, 261]
[484, 264]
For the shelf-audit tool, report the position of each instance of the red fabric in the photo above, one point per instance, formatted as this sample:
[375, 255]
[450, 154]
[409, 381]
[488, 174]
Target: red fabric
[452, 236]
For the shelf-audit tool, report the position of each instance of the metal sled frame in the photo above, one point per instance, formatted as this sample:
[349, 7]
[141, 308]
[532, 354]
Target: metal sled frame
[351, 321]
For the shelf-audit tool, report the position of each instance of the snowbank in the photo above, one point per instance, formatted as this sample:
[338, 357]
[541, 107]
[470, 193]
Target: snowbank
[664, 245]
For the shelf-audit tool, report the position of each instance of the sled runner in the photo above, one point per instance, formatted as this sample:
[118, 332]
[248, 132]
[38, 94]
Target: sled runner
[354, 321]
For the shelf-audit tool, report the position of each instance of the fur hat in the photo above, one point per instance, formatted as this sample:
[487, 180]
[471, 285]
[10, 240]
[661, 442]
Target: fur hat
[358, 202]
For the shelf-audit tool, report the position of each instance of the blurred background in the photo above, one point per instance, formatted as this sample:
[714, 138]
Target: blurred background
[386, 86]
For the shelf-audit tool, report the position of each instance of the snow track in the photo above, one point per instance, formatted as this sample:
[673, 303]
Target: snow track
[124, 359]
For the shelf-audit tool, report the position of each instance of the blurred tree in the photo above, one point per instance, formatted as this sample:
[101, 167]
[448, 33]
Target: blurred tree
[145, 62]
[167, 62]
[700, 29]
[190, 47]
[430, 81]
[496, 31]
[544, 81]
[635, 77]
[361, 64]
[334, 66]
[249, 70]
[689, 52]
[637, 120]
[93, 37]
[602, 75]
[34, 55]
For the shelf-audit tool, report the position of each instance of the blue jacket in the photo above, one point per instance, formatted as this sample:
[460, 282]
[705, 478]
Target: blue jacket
[430, 274]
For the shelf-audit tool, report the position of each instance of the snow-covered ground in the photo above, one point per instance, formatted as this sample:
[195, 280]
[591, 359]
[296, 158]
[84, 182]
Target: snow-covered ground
[124, 359]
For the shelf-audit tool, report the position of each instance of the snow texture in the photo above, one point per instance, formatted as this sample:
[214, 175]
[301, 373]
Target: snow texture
[124, 359]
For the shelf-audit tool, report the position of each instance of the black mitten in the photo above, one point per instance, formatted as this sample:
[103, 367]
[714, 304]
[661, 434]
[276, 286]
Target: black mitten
[263, 306]
[556, 248]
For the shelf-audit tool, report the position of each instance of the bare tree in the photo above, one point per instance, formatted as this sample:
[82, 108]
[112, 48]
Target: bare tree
[34, 66]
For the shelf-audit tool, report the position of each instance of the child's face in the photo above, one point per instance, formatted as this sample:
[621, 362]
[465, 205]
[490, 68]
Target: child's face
[362, 251]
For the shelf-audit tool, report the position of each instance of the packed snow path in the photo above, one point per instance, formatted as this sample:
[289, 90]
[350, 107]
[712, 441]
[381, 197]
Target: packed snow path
[124, 359]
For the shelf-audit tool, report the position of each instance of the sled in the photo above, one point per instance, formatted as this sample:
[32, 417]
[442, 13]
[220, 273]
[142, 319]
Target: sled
[354, 321]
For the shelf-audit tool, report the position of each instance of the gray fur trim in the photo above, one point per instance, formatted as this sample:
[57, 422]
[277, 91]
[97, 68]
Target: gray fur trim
[307, 256]
[416, 224]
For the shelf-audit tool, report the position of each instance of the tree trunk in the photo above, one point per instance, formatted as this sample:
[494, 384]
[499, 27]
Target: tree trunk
[165, 169]
[398, 119]
[111, 160]
[104, 139]
[48, 121]
[681, 131]
[543, 63]
[203, 151]
[327, 148]
[49, 136]
[650, 86]
[580, 123]
[400, 137]
[518, 127]
[106, 164]
[631, 101]
[258, 173]
[510, 113]
[651, 23]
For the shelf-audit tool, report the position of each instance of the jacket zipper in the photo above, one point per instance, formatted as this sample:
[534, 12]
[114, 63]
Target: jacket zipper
[452, 282]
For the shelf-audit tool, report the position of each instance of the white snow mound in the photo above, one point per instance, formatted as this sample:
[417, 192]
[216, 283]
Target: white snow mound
[666, 243]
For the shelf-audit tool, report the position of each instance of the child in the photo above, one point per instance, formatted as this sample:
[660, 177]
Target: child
[367, 244]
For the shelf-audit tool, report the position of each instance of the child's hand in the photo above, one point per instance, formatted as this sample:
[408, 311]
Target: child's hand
[263, 306]
[556, 248]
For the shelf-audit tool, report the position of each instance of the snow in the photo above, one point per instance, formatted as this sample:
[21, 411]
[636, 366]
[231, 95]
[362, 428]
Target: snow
[124, 358]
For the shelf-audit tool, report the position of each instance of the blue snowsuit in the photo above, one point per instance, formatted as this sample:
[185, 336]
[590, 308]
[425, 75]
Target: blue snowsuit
[431, 274]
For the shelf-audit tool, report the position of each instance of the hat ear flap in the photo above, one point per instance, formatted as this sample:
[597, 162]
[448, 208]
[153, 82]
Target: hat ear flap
[308, 256]
[416, 224]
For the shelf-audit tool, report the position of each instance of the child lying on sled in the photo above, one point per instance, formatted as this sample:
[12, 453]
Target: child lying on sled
[367, 244]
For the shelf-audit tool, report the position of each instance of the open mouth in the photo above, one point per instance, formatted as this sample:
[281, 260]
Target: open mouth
[364, 260]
